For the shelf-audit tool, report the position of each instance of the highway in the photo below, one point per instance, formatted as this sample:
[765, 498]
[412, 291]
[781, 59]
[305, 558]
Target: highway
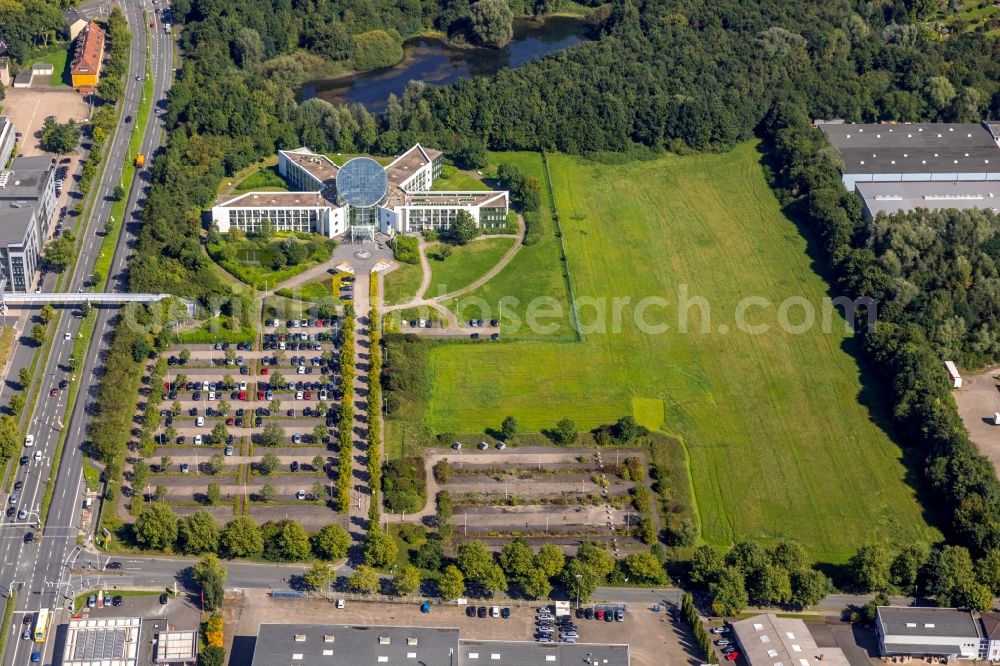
[38, 568]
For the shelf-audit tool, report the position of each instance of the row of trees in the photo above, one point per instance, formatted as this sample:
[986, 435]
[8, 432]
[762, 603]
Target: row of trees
[159, 528]
[752, 574]
[374, 402]
[345, 426]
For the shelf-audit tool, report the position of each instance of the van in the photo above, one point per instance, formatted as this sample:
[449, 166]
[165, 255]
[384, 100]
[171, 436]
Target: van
[29, 440]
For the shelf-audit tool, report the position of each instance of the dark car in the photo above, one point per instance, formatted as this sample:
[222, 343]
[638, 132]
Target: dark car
[294, 466]
[24, 460]
[164, 599]
[470, 611]
[128, 119]
[29, 537]
[609, 616]
[482, 611]
[116, 600]
[115, 566]
[18, 485]
[588, 613]
[63, 384]
[11, 511]
[505, 613]
[579, 613]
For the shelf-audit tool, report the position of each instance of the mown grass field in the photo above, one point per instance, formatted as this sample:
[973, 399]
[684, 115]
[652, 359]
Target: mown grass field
[401, 284]
[780, 443]
[465, 264]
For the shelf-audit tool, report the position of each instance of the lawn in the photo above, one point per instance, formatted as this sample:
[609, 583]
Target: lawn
[264, 179]
[253, 260]
[534, 275]
[401, 284]
[451, 179]
[781, 442]
[464, 263]
[56, 55]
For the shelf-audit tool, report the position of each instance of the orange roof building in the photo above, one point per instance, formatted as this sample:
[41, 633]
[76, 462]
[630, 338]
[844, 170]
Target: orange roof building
[86, 68]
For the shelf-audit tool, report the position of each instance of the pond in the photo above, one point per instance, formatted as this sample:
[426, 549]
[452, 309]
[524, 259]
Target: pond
[432, 61]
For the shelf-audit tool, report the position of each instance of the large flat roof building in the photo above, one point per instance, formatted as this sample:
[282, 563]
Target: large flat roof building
[897, 197]
[769, 640]
[27, 203]
[325, 644]
[928, 632]
[102, 642]
[8, 136]
[359, 198]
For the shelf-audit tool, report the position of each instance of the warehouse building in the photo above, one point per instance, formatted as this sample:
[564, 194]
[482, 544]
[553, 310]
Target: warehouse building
[929, 632]
[104, 641]
[27, 203]
[359, 199]
[769, 640]
[889, 198]
[324, 644]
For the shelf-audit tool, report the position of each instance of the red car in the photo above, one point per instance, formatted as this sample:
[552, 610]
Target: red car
[319, 322]
[598, 614]
[307, 395]
[260, 395]
[166, 386]
[733, 656]
[229, 422]
[264, 371]
[243, 395]
[152, 25]
[53, 393]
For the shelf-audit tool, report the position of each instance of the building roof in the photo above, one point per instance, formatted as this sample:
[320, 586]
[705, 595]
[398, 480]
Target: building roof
[316, 165]
[176, 647]
[316, 644]
[23, 77]
[524, 653]
[362, 182]
[914, 148]
[768, 640]
[408, 163]
[26, 179]
[14, 223]
[275, 200]
[927, 622]
[89, 49]
[102, 642]
[443, 198]
[893, 197]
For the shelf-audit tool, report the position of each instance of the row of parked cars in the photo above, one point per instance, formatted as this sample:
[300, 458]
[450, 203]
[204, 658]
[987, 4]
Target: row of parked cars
[601, 614]
[487, 611]
[548, 625]
[726, 646]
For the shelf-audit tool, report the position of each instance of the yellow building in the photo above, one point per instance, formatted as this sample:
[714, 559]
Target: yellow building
[86, 68]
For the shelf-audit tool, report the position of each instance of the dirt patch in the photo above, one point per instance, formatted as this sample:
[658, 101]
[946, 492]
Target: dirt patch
[978, 400]
[28, 108]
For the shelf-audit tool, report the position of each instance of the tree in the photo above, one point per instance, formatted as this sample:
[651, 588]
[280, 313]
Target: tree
[274, 406]
[430, 555]
[462, 231]
[706, 564]
[565, 432]
[10, 437]
[597, 557]
[175, 408]
[809, 587]
[380, 548]
[508, 429]
[220, 434]
[59, 252]
[156, 527]
[471, 154]
[729, 592]
[908, 563]
[331, 542]
[16, 403]
[60, 137]
[211, 574]
[46, 313]
[118, 193]
[184, 355]
[580, 579]
[38, 334]
[319, 576]
[492, 23]
[372, 50]
[643, 567]
[272, 435]
[869, 567]
[407, 580]
[950, 577]
[268, 464]
[216, 463]
[223, 409]
[319, 434]
[550, 560]
[276, 381]
[267, 493]
[364, 579]
[165, 462]
[140, 476]
[23, 378]
[160, 492]
[474, 560]
[494, 580]
[535, 584]
[285, 541]
[242, 538]
[625, 429]
[451, 585]
[318, 462]
[213, 494]
[516, 559]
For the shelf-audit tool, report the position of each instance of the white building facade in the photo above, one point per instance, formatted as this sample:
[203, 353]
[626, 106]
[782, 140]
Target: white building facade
[402, 202]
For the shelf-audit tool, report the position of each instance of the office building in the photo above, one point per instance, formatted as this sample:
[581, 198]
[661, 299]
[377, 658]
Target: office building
[8, 138]
[929, 632]
[27, 203]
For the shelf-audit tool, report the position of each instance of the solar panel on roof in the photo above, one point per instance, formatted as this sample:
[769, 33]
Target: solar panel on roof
[362, 182]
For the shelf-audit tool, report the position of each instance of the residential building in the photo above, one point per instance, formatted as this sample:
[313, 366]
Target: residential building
[86, 68]
[27, 203]
[323, 644]
[76, 21]
[929, 632]
[359, 198]
[7, 139]
[769, 640]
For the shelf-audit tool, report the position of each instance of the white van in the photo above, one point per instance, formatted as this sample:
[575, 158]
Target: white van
[29, 440]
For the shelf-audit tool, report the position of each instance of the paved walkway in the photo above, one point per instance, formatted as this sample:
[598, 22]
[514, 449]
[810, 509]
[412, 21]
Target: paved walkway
[453, 326]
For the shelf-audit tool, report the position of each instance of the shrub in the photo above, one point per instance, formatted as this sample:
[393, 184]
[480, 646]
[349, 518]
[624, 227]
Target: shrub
[375, 49]
[405, 249]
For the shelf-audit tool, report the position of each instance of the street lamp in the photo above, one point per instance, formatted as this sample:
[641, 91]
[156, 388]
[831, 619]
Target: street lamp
[578, 576]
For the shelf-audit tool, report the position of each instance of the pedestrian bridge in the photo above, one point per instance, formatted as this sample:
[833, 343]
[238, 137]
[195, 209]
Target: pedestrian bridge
[9, 298]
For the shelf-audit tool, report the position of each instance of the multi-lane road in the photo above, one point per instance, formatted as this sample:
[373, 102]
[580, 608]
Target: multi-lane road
[39, 568]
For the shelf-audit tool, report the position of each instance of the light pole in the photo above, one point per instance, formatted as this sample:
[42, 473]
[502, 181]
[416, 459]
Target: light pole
[578, 576]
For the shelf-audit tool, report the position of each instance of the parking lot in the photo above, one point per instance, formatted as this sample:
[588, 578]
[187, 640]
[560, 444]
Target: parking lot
[227, 406]
[27, 108]
[542, 494]
[651, 636]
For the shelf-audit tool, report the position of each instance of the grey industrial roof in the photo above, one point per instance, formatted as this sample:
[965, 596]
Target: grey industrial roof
[27, 178]
[524, 653]
[103, 642]
[176, 647]
[920, 648]
[892, 197]
[911, 621]
[914, 148]
[315, 644]
[14, 222]
[768, 640]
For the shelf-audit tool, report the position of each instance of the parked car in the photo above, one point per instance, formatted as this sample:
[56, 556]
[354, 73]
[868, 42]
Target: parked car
[164, 599]
[185, 468]
[598, 614]
[732, 656]
[505, 613]
[482, 611]
[91, 601]
[470, 611]
[619, 616]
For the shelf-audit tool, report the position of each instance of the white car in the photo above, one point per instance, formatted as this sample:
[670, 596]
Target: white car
[197, 440]
[495, 611]
[29, 440]
[281, 345]
[204, 386]
[38, 456]
[243, 386]
[340, 603]
[322, 395]
[211, 395]
[67, 335]
[298, 395]
[200, 421]
[296, 438]
[301, 370]
[301, 495]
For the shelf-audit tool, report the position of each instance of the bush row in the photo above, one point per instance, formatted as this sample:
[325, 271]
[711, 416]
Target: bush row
[374, 402]
[345, 428]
